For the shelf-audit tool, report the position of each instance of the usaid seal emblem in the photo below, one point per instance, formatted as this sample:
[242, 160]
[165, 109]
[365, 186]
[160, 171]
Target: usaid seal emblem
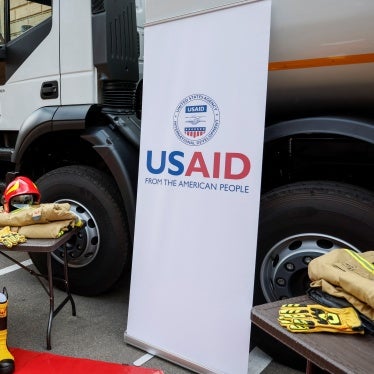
[196, 119]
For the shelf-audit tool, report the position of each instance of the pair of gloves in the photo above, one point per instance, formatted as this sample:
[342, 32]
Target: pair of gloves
[318, 318]
[10, 238]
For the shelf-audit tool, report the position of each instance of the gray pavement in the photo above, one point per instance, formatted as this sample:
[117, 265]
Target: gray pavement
[97, 332]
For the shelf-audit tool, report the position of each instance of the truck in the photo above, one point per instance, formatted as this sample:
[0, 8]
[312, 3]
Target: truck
[70, 119]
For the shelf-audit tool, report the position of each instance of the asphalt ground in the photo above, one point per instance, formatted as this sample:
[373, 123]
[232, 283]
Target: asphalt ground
[97, 332]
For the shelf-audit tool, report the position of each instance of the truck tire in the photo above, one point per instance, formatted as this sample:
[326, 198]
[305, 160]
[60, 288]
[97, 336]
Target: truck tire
[99, 254]
[297, 223]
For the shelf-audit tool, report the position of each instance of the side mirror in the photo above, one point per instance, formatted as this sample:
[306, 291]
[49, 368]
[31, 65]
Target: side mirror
[3, 52]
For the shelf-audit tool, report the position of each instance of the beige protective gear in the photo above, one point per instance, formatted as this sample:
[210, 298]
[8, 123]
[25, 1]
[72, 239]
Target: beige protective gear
[40, 221]
[46, 230]
[347, 274]
[35, 214]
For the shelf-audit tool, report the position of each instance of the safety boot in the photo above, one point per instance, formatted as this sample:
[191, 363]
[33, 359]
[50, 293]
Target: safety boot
[6, 358]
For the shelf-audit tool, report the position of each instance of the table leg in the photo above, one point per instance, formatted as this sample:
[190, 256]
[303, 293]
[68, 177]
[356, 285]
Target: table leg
[74, 313]
[51, 300]
[314, 369]
[52, 311]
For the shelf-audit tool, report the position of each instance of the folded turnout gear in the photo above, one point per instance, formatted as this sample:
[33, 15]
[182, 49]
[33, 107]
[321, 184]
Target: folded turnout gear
[45, 230]
[318, 318]
[50, 220]
[346, 274]
[36, 214]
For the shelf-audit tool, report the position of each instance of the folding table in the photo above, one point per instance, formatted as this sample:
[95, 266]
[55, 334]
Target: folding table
[47, 246]
[330, 352]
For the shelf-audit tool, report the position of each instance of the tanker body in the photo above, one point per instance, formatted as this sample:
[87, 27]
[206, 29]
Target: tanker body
[317, 193]
[321, 58]
[318, 161]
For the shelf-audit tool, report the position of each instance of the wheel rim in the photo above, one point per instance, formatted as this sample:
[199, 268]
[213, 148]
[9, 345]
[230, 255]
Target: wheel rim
[284, 269]
[83, 247]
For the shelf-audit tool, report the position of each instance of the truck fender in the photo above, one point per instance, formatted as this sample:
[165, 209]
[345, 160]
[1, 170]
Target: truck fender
[121, 157]
[353, 128]
[46, 120]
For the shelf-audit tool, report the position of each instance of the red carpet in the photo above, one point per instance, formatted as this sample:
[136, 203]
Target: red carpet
[28, 362]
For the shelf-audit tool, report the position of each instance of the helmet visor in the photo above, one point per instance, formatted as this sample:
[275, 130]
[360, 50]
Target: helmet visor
[20, 201]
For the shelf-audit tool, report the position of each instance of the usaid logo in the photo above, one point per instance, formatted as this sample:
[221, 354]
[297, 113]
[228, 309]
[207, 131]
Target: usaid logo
[196, 108]
[196, 119]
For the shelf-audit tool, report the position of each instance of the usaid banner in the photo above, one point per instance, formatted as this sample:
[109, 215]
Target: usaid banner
[205, 77]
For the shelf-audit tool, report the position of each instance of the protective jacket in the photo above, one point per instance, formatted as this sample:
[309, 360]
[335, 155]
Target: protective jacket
[346, 274]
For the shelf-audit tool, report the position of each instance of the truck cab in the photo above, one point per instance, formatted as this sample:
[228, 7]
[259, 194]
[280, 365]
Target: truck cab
[70, 115]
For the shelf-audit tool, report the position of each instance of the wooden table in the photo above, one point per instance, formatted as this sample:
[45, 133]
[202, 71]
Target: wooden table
[332, 352]
[46, 246]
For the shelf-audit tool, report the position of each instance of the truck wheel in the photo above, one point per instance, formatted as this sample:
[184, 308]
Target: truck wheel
[98, 255]
[297, 223]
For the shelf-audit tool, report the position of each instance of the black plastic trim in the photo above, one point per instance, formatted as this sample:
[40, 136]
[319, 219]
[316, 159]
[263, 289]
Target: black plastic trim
[70, 117]
[122, 159]
[46, 120]
[119, 60]
[129, 126]
[353, 128]
[49, 90]
[38, 123]
[120, 155]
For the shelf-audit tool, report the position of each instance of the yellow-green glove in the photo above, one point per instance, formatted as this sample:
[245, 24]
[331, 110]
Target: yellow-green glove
[10, 238]
[317, 318]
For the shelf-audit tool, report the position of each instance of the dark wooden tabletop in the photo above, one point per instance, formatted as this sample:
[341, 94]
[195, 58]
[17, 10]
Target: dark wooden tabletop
[333, 352]
[40, 245]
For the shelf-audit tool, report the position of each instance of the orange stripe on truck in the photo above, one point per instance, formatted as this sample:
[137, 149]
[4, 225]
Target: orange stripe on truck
[321, 62]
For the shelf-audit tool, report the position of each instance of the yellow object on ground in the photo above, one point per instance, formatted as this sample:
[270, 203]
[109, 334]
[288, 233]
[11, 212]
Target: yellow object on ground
[6, 358]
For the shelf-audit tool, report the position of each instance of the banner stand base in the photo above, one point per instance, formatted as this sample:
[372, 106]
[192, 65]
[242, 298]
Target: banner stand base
[166, 355]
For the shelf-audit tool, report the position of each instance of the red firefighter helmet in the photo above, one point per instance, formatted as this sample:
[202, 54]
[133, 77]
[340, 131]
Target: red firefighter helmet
[20, 192]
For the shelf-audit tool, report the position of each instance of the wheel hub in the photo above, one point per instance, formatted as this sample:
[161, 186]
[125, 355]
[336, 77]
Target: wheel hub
[83, 247]
[284, 270]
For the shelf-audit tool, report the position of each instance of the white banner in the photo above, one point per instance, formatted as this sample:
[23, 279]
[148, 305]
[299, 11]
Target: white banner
[199, 187]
